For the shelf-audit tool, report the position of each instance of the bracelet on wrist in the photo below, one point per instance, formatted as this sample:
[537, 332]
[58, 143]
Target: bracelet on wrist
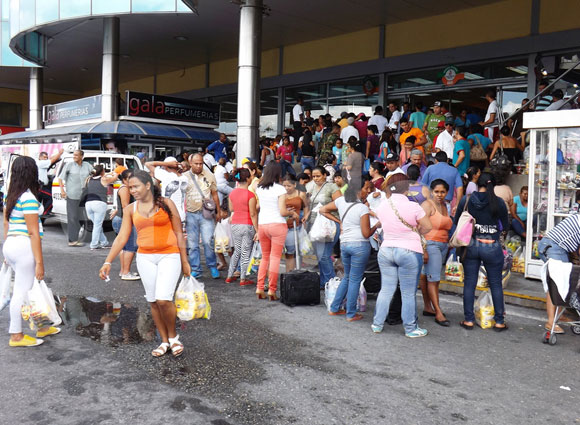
[106, 263]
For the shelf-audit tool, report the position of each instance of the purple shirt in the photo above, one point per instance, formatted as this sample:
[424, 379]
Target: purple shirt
[422, 170]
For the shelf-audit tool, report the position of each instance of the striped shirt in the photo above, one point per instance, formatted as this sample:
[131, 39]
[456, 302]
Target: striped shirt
[26, 204]
[567, 233]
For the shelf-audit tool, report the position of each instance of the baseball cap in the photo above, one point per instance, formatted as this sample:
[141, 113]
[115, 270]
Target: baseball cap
[169, 159]
[361, 115]
[437, 103]
[441, 124]
[449, 121]
[392, 157]
[246, 160]
[140, 155]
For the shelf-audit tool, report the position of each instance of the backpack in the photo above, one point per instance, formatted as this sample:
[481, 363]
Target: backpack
[464, 230]
[477, 153]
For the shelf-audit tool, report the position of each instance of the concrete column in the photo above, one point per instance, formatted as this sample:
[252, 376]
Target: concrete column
[249, 59]
[110, 77]
[35, 104]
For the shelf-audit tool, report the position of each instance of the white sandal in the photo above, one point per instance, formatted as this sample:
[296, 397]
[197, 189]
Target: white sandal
[176, 346]
[161, 350]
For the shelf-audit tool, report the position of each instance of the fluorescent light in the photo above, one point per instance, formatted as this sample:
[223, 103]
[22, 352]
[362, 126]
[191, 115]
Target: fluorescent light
[421, 94]
[344, 90]
[523, 70]
[420, 81]
[310, 93]
[470, 76]
[456, 101]
[463, 91]
[227, 102]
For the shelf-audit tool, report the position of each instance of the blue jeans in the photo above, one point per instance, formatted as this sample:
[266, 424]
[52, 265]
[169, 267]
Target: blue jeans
[355, 256]
[96, 211]
[398, 265]
[491, 254]
[194, 224]
[323, 253]
[287, 168]
[308, 161]
[550, 249]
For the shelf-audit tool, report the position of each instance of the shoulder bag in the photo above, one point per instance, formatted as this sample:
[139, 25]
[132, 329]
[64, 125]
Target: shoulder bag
[208, 206]
[500, 160]
[413, 228]
[477, 153]
[464, 230]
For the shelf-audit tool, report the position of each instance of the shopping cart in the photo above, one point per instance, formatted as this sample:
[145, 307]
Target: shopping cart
[562, 304]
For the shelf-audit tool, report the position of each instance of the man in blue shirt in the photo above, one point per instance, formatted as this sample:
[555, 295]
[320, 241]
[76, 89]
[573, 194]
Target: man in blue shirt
[477, 136]
[442, 170]
[218, 148]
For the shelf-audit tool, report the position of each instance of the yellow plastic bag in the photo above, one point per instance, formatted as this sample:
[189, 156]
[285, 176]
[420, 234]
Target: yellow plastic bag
[484, 311]
[191, 300]
[453, 270]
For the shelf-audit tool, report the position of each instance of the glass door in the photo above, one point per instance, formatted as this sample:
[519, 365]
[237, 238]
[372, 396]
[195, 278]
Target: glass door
[567, 173]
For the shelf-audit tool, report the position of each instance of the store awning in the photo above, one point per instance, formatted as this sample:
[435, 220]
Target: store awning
[124, 128]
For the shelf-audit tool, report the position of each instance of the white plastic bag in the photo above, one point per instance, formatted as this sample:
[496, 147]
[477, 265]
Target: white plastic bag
[330, 289]
[306, 247]
[323, 229]
[191, 300]
[361, 302]
[453, 270]
[41, 309]
[222, 236]
[255, 259]
[484, 311]
[6, 285]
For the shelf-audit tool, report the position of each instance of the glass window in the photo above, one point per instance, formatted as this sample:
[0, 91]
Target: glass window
[307, 93]
[154, 5]
[228, 113]
[347, 88]
[27, 14]
[46, 11]
[269, 113]
[131, 164]
[10, 114]
[111, 6]
[5, 10]
[355, 104]
[73, 8]
[8, 56]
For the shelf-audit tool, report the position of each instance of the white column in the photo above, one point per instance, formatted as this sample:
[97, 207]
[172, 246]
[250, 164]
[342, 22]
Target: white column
[110, 77]
[35, 104]
[250, 51]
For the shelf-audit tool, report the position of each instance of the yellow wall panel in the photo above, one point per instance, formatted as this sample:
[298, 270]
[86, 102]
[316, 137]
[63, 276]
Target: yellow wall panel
[496, 21]
[353, 47]
[559, 16]
[182, 80]
[270, 62]
[145, 85]
[92, 92]
[223, 72]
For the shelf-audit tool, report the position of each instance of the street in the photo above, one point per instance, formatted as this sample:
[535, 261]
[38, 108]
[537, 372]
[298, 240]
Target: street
[260, 362]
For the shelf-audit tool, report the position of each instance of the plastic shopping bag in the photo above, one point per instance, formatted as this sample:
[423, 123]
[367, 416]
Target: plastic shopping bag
[222, 236]
[484, 311]
[255, 258]
[323, 229]
[330, 289]
[41, 309]
[6, 285]
[482, 278]
[361, 302]
[306, 247]
[191, 300]
[453, 270]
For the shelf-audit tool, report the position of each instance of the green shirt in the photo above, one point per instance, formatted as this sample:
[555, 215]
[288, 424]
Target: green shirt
[74, 177]
[432, 121]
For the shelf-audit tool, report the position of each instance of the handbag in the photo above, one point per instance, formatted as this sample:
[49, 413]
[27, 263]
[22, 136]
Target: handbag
[208, 206]
[500, 160]
[464, 230]
[477, 153]
[413, 228]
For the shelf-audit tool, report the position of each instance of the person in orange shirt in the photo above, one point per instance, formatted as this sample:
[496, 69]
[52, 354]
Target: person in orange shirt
[161, 257]
[120, 167]
[420, 139]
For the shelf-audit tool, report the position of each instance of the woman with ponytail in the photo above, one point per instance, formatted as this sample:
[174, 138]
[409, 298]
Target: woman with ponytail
[244, 221]
[491, 218]
[161, 257]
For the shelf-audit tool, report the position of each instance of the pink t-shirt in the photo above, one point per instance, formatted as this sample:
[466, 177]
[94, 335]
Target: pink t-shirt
[395, 233]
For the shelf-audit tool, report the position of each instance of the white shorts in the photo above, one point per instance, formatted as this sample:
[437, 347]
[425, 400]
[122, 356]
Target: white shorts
[159, 274]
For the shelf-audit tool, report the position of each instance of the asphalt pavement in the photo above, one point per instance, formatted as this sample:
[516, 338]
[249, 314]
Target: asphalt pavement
[260, 362]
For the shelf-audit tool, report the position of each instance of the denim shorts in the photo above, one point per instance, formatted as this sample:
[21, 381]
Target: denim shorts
[290, 243]
[437, 252]
[131, 245]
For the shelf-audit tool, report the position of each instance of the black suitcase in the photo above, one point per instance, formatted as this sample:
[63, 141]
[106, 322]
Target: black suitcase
[372, 285]
[299, 287]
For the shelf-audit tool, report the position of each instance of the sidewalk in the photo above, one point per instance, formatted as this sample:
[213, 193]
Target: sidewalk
[519, 291]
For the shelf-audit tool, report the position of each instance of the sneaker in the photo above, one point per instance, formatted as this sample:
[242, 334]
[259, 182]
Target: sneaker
[131, 276]
[50, 331]
[104, 246]
[417, 333]
[354, 318]
[376, 329]
[196, 274]
[26, 341]
[215, 273]
[95, 248]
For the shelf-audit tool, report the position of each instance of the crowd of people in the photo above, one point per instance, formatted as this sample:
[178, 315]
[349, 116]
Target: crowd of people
[394, 184]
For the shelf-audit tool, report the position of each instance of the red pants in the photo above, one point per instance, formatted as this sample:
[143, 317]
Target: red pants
[272, 238]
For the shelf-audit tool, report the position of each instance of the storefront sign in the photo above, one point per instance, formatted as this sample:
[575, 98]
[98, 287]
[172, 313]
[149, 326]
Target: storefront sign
[451, 76]
[172, 109]
[87, 108]
[370, 86]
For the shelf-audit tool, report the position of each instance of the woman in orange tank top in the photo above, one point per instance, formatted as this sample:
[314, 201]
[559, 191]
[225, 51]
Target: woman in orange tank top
[437, 245]
[161, 257]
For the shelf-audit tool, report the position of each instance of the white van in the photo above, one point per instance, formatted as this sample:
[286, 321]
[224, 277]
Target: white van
[107, 160]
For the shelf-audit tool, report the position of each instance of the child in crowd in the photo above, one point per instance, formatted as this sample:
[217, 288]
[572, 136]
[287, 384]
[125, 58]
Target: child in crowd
[303, 178]
[338, 150]
[224, 216]
[330, 167]
[340, 181]
[407, 149]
